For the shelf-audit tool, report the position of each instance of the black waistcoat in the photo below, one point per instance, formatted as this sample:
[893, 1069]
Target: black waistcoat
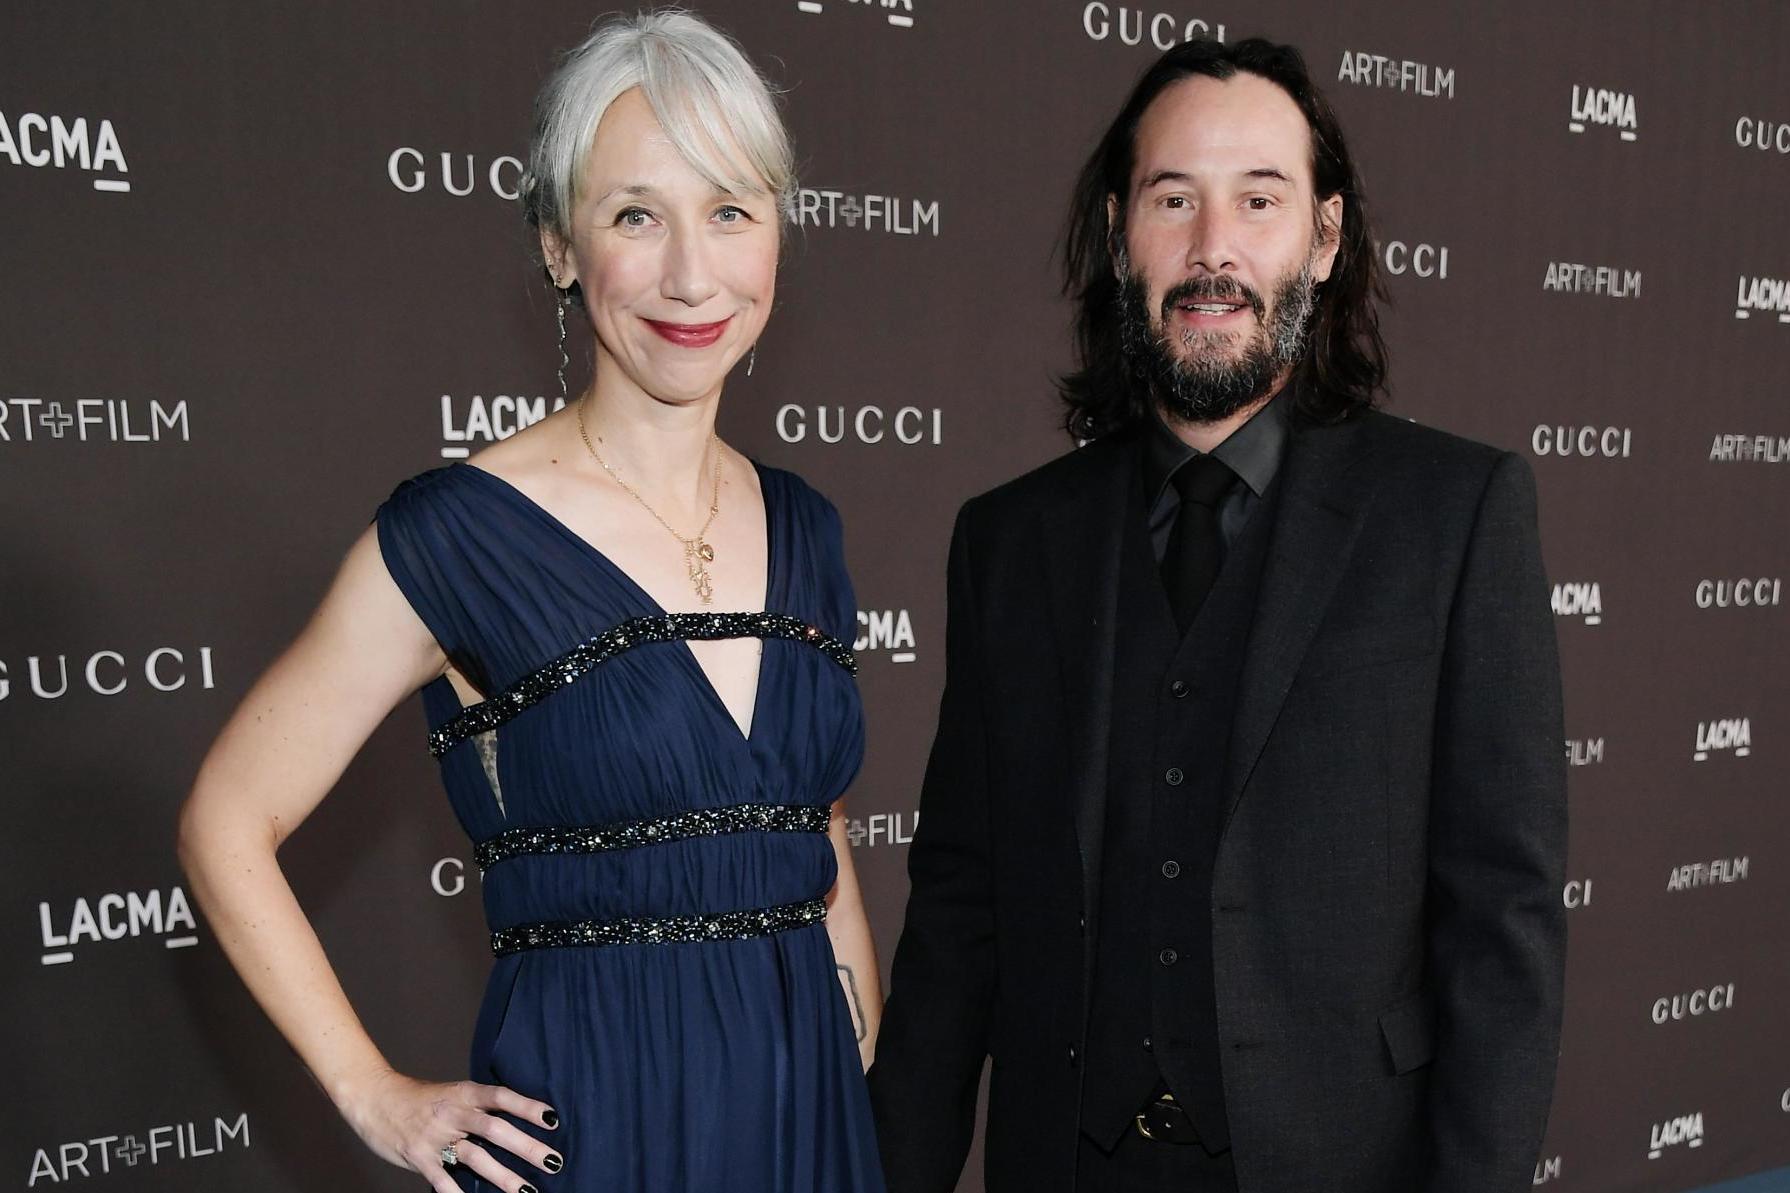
[1153, 1021]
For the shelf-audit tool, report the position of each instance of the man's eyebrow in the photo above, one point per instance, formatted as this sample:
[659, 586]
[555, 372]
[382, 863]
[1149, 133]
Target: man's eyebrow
[1266, 173]
[1162, 176]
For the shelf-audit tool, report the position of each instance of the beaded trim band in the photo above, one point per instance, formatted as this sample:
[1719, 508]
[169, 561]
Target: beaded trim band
[729, 925]
[636, 631]
[702, 822]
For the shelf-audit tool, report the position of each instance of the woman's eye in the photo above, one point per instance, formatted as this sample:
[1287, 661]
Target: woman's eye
[633, 217]
[732, 215]
[1260, 203]
[1175, 202]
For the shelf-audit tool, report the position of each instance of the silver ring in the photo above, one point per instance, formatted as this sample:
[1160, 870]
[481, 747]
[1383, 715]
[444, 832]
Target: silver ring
[450, 1156]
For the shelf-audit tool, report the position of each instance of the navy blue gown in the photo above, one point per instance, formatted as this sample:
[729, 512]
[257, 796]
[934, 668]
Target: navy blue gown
[653, 878]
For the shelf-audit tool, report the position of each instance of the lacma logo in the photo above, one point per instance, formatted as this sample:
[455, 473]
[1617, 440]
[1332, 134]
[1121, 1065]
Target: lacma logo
[486, 420]
[60, 143]
[1608, 109]
[1715, 737]
[886, 629]
[1768, 296]
[115, 917]
[1579, 598]
[900, 13]
[1686, 1130]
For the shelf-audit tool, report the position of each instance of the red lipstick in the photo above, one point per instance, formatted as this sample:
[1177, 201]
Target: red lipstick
[690, 335]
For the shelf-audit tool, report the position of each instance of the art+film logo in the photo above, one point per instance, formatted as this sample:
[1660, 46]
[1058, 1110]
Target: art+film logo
[1602, 108]
[1584, 751]
[1695, 875]
[819, 207]
[898, 13]
[1130, 26]
[34, 141]
[114, 917]
[111, 1155]
[93, 420]
[478, 420]
[1364, 69]
[1749, 449]
[1605, 281]
[881, 828]
[110, 673]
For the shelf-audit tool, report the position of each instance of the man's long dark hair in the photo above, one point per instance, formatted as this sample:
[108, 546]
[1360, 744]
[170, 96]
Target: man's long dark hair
[1345, 366]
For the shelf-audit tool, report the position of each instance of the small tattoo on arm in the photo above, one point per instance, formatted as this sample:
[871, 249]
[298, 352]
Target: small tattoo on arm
[850, 982]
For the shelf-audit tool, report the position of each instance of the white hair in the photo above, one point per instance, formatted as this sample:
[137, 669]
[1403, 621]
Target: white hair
[715, 108]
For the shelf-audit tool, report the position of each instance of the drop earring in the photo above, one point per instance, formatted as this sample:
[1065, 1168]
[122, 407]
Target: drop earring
[564, 360]
[751, 359]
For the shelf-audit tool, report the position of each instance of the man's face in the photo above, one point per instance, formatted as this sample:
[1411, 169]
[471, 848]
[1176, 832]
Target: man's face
[1220, 254]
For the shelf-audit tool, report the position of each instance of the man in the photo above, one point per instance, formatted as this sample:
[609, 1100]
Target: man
[1244, 827]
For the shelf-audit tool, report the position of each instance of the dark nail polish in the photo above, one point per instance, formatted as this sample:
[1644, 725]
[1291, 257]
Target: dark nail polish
[552, 1163]
[528, 1189]
[549, 1119]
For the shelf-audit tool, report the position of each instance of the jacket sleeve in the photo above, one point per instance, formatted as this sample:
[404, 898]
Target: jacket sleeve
[934, 1034]
[1497, 849]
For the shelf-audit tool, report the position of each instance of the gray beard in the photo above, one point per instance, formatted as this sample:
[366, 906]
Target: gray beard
[1208, 387]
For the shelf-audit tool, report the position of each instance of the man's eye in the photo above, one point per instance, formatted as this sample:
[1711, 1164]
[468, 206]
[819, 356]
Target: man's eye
[1175, 202]
[1260, 203]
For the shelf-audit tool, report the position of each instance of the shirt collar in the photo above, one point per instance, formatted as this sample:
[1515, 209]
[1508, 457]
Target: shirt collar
[1253, 451]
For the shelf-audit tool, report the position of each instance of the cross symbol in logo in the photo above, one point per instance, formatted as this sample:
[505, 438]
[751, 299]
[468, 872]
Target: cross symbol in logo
[55, 419]
[851, 211]
[129, 1150]
[854, 831]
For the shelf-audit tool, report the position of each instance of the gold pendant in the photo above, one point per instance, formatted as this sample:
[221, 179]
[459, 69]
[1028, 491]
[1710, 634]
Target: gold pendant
[696, 554]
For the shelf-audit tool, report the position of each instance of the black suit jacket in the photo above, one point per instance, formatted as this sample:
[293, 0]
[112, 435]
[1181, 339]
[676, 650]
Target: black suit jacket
[1387, 924]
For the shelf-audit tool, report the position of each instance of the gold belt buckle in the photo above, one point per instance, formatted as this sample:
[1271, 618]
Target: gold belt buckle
[1143, 1127]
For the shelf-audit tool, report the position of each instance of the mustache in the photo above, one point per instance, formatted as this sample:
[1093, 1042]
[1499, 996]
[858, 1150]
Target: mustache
[1213, 288]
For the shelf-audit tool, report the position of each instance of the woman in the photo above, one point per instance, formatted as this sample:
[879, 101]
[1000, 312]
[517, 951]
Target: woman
[631, 642]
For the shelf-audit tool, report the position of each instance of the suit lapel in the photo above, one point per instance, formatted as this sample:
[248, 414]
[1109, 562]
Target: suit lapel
[1327, 483]
[1083, 530]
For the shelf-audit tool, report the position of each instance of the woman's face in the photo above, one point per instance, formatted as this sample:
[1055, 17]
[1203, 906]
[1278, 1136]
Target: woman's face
[677, 276]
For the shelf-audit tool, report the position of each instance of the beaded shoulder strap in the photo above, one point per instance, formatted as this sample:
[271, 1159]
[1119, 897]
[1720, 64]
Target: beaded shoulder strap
[569, 667]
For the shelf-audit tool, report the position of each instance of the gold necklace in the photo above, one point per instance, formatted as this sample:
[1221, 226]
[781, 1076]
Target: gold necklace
[698, 554]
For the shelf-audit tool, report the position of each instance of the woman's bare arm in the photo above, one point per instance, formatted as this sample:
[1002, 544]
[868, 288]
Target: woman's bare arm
[285, 747]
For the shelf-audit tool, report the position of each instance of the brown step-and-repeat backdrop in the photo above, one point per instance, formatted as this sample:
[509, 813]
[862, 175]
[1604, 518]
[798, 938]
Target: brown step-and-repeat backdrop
[258, 263]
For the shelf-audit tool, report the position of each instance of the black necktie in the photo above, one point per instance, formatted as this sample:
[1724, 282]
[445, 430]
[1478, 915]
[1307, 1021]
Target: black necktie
[1195, 550]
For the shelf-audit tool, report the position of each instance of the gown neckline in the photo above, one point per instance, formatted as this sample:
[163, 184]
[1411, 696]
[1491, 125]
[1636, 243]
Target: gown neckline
[773, 541]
